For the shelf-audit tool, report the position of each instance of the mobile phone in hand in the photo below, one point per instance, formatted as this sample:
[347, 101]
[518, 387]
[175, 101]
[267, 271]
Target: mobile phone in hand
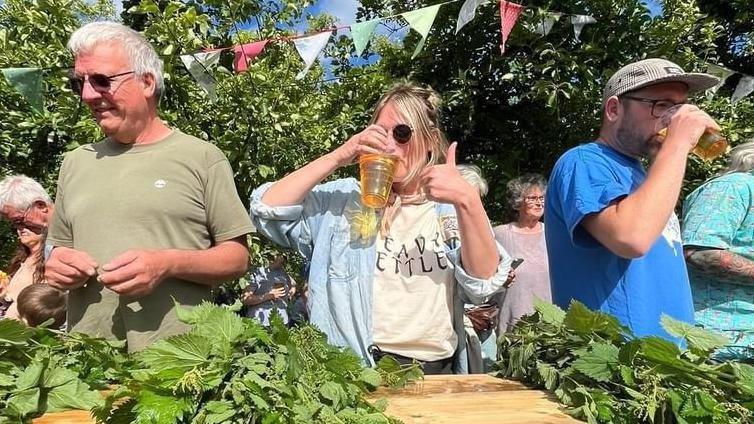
[516, 263]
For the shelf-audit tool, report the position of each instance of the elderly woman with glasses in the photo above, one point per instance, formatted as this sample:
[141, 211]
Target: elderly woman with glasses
[390, 281]
[26, 204]
[524, 239]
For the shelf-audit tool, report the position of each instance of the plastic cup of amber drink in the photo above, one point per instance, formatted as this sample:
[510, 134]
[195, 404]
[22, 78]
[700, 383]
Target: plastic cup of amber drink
[377, 172]
[711, 144]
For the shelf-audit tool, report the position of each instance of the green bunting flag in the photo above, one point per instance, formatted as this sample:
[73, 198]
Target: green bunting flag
[361, 32]
[28, 82]
[421, 21]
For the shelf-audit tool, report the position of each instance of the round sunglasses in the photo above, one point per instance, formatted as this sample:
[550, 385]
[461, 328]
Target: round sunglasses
[402, 133]
[101, 83]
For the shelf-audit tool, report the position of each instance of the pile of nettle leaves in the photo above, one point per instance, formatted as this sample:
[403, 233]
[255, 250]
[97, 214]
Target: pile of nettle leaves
[227, 369]
[604, 375]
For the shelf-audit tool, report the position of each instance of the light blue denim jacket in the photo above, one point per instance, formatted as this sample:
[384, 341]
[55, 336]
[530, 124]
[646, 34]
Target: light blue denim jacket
[342, 266]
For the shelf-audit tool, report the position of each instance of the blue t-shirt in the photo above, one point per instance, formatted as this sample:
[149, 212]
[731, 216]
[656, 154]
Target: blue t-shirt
[585, 180]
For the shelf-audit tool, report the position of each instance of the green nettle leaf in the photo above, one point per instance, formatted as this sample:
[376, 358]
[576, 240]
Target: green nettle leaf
[31, 376]
[333, 392]
[745, 374]
[73, 395]
[549, 375]
[14, 332]
[370, 377]
[698, 339]
[161, 408]
[549, 312]
[24, 402]
[599, 362]
[182, 352]
[583, 321]
[218, 412]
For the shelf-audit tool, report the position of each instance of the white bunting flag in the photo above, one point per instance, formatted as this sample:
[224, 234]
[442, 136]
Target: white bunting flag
[743, 89]
[309, 48]
[545, 26]
[468, 12]
[199, 65]
[721, 72]
[578, 22]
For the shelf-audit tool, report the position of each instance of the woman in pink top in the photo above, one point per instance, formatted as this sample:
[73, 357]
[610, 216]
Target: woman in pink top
[524, 238]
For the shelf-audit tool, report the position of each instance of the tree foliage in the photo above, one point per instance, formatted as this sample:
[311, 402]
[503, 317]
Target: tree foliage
[518, 112]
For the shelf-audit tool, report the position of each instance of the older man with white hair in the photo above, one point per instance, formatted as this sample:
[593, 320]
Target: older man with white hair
[147, 216]
[24, 202]
[718, 240]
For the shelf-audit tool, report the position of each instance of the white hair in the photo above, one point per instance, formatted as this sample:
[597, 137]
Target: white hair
[473, 175]
[741, 158]
[140, 53]
[20, 192]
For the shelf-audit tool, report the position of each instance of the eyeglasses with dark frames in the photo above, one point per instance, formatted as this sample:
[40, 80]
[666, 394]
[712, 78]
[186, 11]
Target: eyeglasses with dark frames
[658, 106]
[101, 83]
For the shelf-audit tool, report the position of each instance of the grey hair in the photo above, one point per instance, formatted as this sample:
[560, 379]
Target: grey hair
[741, 158]
[140, 53]
[518, 187]
[20, 192]
[473, 175]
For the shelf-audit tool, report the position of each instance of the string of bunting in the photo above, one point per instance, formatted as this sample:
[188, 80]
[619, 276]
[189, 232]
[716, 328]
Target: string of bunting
[28, 81]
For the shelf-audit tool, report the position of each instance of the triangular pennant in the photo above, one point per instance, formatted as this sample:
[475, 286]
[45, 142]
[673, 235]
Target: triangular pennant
[198, 65]
[467, 13]
[721, 72]
[545, 26]
[245, 53]
[509, 13]
[309, 47]
[28, 82]
[743, 89]
[421, 21]
[578, 22]
[361, 32]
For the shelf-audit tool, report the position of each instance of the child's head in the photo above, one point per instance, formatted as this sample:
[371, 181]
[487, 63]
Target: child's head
[39, 302]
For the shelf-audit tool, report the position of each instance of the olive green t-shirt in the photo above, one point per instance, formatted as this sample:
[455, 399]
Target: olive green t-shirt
[177, 193]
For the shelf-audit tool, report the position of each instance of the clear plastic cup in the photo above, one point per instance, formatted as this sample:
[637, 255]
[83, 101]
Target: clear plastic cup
[377, 172]
[710, 145]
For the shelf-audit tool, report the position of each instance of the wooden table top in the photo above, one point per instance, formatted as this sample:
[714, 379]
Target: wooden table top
[440, 399]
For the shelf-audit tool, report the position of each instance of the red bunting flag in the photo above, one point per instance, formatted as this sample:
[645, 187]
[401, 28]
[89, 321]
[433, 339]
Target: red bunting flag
[245, 53]
[509, 13]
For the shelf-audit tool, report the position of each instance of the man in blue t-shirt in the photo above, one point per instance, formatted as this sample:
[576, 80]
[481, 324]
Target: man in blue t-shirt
[613, 240]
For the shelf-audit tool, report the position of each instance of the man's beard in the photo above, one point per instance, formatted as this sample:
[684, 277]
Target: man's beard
[635, 143]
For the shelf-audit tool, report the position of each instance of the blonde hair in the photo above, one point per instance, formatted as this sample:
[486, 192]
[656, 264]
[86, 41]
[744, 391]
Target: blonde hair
[420, 107]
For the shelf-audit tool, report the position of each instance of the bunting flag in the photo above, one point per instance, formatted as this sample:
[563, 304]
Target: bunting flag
[361, 32]
[468, 12]
[421, 21]
[545, 26]
[578, 22]
[309, 47]
[28, 82]
[198, 65]
[721, 72]
[509, 13]
[245, 53]
[744, 88]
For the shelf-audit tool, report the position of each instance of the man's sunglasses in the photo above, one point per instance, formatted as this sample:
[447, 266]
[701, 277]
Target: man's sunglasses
[402, 133]
[101, 83]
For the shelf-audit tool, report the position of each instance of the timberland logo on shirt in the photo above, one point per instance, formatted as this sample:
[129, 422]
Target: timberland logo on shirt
[160, 183]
